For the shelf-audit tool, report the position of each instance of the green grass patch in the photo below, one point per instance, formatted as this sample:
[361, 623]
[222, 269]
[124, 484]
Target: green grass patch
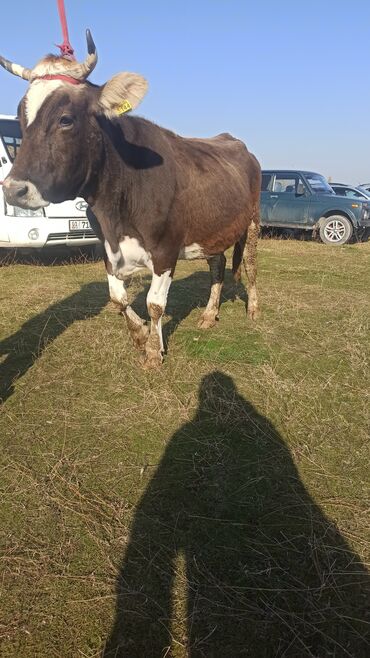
[247, 347]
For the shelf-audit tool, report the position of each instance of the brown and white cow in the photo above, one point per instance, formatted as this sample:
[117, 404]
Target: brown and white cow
[154, 196]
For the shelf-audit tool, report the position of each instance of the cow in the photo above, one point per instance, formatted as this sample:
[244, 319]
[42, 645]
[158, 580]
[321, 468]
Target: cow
[154, 197]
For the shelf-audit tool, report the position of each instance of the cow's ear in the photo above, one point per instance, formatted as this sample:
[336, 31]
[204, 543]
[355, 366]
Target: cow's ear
[121, 94]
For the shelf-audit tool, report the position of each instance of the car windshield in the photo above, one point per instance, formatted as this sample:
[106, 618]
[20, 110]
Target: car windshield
[319, 183]
[10, 133]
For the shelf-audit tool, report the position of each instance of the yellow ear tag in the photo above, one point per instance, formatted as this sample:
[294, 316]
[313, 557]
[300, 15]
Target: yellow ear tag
[124, 107]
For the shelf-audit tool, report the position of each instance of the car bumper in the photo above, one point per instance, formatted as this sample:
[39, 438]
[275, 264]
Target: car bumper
[39, 232]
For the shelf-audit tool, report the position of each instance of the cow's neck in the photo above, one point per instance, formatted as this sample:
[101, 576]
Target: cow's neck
[114, 191]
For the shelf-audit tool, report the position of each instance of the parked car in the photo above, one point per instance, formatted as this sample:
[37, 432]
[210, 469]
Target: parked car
[365, 186]
[304, 200]
[57, 224]
[349, 190]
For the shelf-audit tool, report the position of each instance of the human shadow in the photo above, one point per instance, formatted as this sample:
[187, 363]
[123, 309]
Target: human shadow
[187, 294]
[27, 344]
[229, 555]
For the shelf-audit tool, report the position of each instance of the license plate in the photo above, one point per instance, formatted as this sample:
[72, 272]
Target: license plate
[79, 224]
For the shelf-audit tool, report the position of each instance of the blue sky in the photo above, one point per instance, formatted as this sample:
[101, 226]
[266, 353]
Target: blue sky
[292, 79]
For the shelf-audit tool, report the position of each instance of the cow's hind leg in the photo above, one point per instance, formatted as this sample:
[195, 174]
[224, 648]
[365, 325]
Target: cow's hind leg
[156, 303]
[139, 332]
[250, 264]
[217, 269]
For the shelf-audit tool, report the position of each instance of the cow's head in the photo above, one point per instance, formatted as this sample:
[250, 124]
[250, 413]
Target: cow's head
[62, 145]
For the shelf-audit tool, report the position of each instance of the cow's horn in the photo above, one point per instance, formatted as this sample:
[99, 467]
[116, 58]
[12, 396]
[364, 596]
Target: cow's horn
[16, 69]
[86, 67]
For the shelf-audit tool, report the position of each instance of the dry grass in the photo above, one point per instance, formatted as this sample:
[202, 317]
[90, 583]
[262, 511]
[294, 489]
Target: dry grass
[223, 499]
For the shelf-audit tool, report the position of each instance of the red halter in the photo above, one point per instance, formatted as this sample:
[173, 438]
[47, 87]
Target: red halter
[66, 78]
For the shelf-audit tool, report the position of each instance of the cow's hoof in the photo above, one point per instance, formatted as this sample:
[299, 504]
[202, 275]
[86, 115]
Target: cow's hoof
[152, 360]
[140, 336]
[207, 321]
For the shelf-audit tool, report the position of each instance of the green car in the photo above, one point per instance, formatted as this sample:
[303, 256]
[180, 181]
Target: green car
[304, 200]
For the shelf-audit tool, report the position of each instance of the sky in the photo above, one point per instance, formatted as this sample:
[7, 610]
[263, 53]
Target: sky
[290, 78]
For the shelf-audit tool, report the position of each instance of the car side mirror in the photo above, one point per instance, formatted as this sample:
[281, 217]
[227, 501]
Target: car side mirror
[301, 190]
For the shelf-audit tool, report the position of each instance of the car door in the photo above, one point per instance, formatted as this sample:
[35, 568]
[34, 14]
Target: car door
[4, 236]
[289, 201]
[9, 142]
[265, 200]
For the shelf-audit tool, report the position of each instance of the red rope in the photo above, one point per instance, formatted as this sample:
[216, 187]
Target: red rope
[65, 48]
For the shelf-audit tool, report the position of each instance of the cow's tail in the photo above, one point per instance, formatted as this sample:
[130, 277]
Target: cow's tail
[238, 257]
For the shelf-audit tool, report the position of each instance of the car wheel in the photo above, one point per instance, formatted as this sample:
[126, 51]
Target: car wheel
[335, 230]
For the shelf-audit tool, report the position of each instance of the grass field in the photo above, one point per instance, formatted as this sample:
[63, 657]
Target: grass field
[215, 508]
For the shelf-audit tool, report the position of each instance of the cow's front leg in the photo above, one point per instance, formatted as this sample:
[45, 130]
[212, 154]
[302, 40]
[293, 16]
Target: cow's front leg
[138, 329]
[156, 303]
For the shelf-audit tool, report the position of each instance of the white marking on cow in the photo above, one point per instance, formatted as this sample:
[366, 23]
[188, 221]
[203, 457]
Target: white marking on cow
[214, 298]
[36, 96]
[159, 288]
[134, 256]
[157, 295]
[210, 313]
[191, 252]
[114, 257]
[130, 258]
[117, 291]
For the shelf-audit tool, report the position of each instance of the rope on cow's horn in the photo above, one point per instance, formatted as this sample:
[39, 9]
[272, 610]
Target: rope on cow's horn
[65, 48]
[83, 69]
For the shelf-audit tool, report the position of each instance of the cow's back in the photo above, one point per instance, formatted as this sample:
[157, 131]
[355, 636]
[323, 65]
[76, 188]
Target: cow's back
[219, 184]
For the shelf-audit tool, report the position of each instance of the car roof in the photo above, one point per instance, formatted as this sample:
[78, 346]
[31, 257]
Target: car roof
[290, 171]
[344, 185]
[352, 187]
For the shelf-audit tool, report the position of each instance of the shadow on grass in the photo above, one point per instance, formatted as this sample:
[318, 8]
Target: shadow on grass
[229, 554]
[49, 257]
[26, 345]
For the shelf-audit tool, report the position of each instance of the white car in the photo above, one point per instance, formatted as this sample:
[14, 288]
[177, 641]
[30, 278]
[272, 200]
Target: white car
[350, 190]
[57, 224]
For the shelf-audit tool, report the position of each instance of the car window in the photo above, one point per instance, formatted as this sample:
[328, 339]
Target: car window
[288, 184]
[354, 194]
[318, 183]
[348, 192]
[339, 190]
[266, 184]
[10, 133]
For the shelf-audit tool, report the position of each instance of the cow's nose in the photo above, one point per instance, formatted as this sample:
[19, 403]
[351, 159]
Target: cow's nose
[14, 190]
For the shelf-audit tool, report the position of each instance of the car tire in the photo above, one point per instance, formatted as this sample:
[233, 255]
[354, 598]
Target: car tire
[335, 230]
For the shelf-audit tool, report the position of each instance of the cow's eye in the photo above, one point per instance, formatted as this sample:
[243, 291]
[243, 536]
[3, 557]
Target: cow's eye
[65, 121]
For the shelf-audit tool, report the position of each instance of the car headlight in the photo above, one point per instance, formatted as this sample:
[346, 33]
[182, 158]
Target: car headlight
[365, 211]
[23, 212]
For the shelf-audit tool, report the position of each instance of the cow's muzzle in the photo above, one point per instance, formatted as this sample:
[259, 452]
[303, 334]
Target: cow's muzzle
[23, 193]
